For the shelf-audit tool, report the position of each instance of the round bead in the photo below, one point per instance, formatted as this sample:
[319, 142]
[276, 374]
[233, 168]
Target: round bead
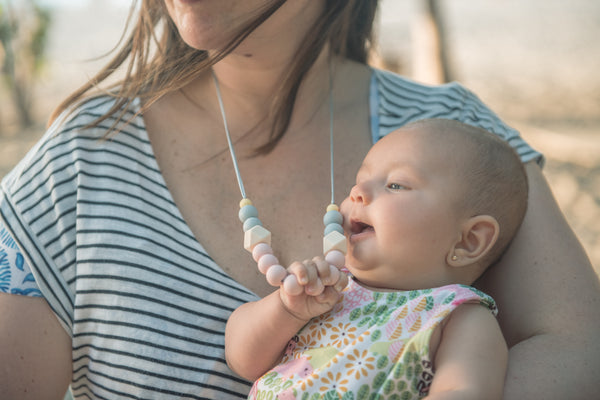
[260, 250]
[333, 227]
[266, 261]
[332, 217]
[245, 202]
[335, 257]
[291, 285]
[251, 222]
[275, 275]
[333, 207]
[247, 211]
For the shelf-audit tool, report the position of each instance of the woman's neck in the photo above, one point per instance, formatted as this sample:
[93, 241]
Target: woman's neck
[249, 84]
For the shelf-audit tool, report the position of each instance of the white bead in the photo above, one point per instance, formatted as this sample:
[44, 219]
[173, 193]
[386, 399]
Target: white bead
[256, 234]
[266, 261]
[335, 257]
[275, 275]
[334, 241]
[260, 250]
[291, 285]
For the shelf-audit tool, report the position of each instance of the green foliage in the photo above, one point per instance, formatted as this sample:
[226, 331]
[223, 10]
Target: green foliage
[24, 30]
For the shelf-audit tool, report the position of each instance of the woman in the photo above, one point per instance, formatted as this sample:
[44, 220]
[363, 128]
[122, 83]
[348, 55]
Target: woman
[117, 221]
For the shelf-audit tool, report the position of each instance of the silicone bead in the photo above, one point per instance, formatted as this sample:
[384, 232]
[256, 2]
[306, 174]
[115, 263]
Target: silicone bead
[334, 241]
[245, 202]
[333, 227]
[291, 285]
[333, 207]
[266, 261]
[247, 211]
[256, 234]
[251, 222]
[335, 257]
[332, 217]
[260, 250]
[275, 275]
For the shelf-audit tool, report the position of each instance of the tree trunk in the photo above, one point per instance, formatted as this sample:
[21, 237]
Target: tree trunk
[430, 62]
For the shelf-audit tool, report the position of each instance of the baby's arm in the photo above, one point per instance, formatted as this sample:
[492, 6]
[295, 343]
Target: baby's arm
[472, 357]
[257, 333]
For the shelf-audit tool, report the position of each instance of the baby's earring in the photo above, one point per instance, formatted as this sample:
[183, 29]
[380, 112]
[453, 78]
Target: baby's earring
[454, 257]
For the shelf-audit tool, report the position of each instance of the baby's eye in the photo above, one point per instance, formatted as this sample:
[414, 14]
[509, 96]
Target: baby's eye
[396, 186]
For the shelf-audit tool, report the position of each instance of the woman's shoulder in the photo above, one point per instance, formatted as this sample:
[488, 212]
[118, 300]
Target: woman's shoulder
[78, 134]
[396, 100]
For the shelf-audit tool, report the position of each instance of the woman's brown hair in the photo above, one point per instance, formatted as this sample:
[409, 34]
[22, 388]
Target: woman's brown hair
[155, 66]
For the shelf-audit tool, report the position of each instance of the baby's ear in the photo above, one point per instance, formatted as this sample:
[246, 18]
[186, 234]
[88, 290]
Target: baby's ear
[479, 234]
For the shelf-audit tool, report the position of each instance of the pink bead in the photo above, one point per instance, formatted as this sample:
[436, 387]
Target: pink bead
[335, 257]
[275, 275]
[291, 285]
[266, 261]
[260, 250]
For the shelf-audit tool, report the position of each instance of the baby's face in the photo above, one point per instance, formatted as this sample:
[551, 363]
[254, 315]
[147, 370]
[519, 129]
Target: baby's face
[400, 218]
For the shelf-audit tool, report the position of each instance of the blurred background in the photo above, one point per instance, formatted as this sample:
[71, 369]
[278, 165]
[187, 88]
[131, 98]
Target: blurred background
[536, 63]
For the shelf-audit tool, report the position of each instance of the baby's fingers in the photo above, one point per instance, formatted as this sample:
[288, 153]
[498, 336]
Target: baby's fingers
[342, 280]
[327, 275]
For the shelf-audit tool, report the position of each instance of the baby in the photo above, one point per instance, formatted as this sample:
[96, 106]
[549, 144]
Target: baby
[435, 204]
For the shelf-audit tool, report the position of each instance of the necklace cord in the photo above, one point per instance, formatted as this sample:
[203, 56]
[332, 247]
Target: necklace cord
[230, 143]
[331, 131]
[238, 175]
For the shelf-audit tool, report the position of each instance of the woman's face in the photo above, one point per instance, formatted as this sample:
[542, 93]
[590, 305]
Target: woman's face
[210, 24]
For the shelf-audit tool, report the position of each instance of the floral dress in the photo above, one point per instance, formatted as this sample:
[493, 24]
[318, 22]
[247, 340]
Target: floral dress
[370, 345]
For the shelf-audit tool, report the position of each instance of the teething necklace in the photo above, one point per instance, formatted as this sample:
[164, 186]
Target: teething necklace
[257, 239]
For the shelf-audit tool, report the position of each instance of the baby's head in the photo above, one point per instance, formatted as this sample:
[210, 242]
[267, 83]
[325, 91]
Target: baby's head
[436, 202]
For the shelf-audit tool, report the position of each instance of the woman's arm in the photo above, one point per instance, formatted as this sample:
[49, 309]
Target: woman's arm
[35, 350]
[470, 362]
[548, 296]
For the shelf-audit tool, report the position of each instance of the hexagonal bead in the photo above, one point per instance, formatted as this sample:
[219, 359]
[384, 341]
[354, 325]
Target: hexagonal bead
[256, 234]
[334, 241]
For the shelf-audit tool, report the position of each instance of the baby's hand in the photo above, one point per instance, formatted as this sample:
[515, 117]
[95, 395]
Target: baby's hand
[312, 288]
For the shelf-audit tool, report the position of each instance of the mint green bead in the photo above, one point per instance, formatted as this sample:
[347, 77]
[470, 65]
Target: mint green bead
[251, 222]
[246, 212]
[332, 217]
[333, 227]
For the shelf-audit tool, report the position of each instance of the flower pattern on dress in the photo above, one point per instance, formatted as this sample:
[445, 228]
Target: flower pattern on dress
[342, 335]
[359, 364]
[376, 348]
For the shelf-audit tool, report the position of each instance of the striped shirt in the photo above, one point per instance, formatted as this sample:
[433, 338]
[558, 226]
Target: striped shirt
[99, 231]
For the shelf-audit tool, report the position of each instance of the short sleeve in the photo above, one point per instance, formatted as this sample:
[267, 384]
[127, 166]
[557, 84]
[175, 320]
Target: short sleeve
[15, 275]
[396, 101]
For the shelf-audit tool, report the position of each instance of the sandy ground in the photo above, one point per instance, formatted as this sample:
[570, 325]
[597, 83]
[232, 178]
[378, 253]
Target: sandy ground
[535, 63]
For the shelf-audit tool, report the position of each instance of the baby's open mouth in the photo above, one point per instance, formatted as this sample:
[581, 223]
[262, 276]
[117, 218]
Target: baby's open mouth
[357, 227]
